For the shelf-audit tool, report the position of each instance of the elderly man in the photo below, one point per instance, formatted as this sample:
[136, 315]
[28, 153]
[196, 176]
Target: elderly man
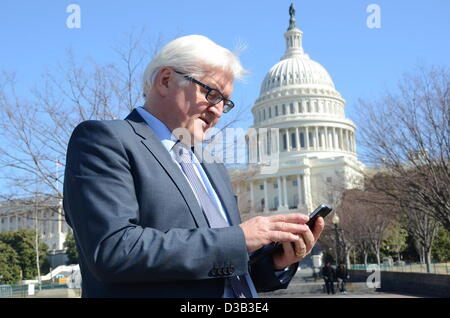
[149, 219]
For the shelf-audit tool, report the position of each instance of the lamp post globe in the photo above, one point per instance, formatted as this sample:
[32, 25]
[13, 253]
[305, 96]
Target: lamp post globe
[335, 219]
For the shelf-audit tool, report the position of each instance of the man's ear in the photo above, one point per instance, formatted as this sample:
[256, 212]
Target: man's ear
[162, 80]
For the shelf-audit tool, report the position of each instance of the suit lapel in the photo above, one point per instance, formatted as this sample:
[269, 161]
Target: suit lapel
[154, 146]
[217, 181]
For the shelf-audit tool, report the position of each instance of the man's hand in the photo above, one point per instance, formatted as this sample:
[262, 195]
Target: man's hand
[302, 246]
[283, 228]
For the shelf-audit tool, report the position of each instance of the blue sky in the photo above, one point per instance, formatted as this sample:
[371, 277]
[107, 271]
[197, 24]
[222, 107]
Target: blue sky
[362, 61]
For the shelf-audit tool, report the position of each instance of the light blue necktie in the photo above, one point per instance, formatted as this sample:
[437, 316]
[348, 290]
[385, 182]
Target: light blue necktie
[210, 210]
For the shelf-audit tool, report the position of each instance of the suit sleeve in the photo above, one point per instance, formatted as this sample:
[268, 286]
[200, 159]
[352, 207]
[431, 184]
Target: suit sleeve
[101, 206]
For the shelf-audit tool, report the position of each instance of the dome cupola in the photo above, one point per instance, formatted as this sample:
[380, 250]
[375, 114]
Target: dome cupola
[295, 67]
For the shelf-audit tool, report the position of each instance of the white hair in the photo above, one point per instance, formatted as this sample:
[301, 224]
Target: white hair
[191, 55]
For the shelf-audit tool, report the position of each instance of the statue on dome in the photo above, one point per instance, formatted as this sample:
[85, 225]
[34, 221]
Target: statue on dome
[292, 17]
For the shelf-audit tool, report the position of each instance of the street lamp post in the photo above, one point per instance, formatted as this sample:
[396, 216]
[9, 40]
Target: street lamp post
[335, 221]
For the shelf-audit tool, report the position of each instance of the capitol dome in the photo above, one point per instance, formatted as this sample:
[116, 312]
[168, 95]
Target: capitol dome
[296, 73]
[299, 71]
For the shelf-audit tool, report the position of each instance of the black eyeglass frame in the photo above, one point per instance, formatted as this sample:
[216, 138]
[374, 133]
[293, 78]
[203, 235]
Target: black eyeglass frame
[227, 104]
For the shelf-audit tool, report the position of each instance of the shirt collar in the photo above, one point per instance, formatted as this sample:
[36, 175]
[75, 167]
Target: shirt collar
[160, 129]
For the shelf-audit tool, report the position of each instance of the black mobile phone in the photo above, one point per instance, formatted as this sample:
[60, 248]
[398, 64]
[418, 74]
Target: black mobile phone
[322, 210]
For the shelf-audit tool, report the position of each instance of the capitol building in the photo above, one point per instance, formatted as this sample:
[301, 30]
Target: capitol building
[315, 148]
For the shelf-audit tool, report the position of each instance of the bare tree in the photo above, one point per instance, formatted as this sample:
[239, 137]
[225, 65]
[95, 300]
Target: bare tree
[424, 229]
[420, 224]
[365, 216]
[407, 134]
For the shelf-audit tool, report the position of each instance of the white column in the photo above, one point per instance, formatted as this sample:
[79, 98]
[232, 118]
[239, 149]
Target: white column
[316, 143]
[266, 201]
[354, 142]
[307, 191]
[16, 222]
[288, 138]
[345, 141]
[341, 140]
[297, 139]
[299, 190]
[349, 140]
[327, 144]
[335, 139]
[8, 224]
[285, 193]
[252, 197]
[280, 199]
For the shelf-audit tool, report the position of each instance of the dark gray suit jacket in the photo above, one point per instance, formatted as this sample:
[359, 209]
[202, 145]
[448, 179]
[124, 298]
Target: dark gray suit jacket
[139, 229]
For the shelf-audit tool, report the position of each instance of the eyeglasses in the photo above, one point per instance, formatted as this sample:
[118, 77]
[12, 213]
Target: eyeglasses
[213, 96]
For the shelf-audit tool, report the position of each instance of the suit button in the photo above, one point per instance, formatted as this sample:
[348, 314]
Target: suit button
[213, 272]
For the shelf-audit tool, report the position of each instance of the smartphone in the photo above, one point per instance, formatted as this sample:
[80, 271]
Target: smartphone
[322, 210]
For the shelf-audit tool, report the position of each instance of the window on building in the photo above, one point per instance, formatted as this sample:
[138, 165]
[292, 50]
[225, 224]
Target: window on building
[275, 185]
[276, 110]
[291, 106]
[294, 183]
[302, 140]
[270, 112]
[261, 186]
[284, 109]
[293, 141]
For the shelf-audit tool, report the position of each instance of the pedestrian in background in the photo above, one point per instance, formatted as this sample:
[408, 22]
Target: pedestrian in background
[329, 275]
[342, 277]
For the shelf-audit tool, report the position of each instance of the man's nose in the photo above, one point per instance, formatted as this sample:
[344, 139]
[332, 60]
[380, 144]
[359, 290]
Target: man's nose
[217, 109]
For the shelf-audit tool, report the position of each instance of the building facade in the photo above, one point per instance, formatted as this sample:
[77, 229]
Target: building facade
[42, 214]
[315, 144]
